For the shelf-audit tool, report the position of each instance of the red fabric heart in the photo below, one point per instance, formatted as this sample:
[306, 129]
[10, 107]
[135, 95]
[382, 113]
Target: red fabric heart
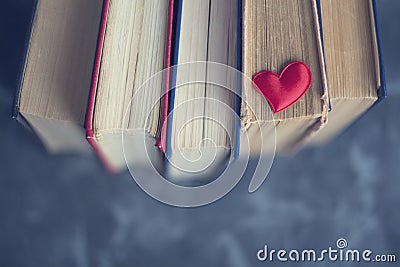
[284, 90]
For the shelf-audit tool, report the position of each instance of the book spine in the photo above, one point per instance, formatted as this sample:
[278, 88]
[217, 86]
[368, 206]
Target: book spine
[239, 60]
[162, 141]
[326, 106]
[323, 119]
[93, 89]
[175, 36]
[15, 111]
[382, 93]
[319, 14]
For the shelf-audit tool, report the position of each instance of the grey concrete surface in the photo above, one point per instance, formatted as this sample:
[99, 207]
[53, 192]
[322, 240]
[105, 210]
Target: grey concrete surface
[67, 211]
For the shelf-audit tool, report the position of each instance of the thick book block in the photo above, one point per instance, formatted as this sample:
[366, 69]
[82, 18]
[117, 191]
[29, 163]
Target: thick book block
[85, 60]
[54, 87]
[276, 33]
[353, 62]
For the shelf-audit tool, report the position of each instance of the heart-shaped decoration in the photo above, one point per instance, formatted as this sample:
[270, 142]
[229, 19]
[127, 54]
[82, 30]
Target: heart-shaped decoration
[284, 90]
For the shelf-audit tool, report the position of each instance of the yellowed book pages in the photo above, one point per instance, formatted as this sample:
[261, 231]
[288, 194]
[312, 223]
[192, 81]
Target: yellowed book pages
[58, 73]
[275, 33]
[352, 63]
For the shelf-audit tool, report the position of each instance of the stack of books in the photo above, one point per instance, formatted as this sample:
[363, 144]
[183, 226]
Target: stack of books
[87, 61]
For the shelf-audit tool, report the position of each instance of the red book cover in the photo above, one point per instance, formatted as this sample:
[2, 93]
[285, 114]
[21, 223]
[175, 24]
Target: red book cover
[163, 139]
[93, 88]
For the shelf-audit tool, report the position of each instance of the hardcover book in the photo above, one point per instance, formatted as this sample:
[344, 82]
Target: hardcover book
[86, 62]
[354, 64]
[275, 33]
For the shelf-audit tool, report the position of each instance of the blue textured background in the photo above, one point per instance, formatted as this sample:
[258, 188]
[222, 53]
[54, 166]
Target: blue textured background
[66, 211]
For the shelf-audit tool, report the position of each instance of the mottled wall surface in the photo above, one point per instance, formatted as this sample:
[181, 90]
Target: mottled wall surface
[66, 211]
